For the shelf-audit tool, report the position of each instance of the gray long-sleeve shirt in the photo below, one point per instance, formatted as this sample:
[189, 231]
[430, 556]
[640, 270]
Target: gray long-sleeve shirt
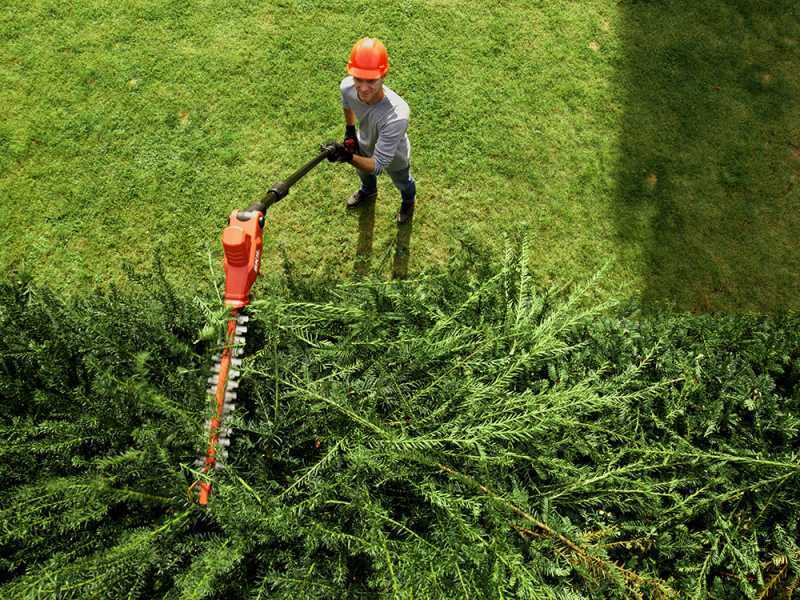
[381, 127]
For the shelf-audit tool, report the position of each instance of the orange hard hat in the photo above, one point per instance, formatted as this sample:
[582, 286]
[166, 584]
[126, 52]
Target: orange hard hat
[368, 59]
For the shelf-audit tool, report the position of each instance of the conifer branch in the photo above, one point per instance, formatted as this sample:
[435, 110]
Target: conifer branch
[659, 587]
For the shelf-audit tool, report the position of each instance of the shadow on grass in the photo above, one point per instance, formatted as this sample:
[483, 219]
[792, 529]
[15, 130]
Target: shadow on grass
[364, 246]
[709, 177]
[366, 235]
[402, 250]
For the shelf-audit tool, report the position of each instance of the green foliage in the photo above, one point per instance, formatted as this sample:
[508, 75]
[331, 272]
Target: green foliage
[101, 398]
[463, 434]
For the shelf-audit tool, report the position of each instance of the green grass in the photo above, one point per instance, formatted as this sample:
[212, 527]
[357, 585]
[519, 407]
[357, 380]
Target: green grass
[660, 135]
[709, 166]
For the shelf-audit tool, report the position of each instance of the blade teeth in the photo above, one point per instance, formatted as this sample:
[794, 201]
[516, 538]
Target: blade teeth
[223, 453]
[238, 351]
[215, 368]
[212, 391]
[232, 385]
[218, 465]
[233, 374]
[239, 340]
[228, 408]
[230, 396]
[213, 380]
[216, 357]
[223, 441]
[236, 362]
[242, 319]
[241, 329]
[200, 462]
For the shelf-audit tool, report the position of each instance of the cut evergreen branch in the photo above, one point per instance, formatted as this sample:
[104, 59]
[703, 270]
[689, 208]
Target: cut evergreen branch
[465, 433]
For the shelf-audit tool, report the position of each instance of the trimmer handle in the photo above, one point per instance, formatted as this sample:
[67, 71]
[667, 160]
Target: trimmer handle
[279, 191]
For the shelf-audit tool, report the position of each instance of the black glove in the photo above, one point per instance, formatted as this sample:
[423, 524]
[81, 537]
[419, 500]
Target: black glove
[330, 150]
[336, 152]
[350, 139]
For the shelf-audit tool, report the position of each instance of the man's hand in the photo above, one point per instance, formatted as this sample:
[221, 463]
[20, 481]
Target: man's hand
[329, 148]
[337, 152]
[350, 139]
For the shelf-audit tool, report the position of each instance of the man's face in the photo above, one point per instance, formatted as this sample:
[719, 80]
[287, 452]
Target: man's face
[368, 89]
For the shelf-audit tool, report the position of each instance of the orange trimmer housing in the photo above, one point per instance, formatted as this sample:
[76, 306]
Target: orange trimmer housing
[242, 240]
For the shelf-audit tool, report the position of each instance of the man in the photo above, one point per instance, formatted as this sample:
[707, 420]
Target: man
[380, 144]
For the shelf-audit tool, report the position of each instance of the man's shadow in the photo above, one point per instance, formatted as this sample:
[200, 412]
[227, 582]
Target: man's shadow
[366, 236]
[402, 250]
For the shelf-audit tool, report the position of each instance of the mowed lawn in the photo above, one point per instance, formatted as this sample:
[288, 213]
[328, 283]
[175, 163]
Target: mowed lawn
[660, 137]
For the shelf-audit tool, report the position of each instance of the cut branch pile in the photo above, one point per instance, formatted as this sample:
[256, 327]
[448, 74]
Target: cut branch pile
[464, 434]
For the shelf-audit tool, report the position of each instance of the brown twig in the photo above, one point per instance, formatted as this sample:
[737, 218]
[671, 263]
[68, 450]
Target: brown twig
[770, 585]
[660, 589]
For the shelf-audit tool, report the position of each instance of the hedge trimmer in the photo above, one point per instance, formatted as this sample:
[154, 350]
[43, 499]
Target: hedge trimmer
[242, 242]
